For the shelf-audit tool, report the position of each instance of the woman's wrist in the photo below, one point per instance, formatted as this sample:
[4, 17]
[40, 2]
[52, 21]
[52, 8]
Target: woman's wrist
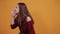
[12, 20]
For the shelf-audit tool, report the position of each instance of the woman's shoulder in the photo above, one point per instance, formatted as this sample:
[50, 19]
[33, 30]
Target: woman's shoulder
[28, 19]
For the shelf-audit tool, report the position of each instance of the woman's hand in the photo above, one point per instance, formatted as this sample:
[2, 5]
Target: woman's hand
[13, 12]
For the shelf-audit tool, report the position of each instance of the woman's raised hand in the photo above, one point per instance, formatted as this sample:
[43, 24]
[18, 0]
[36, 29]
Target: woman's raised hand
[13, 12]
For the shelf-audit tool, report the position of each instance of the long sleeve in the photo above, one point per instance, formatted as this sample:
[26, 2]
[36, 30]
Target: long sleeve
[14, 23]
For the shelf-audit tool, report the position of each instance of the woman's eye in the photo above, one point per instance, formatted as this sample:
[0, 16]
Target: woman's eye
[16, 7]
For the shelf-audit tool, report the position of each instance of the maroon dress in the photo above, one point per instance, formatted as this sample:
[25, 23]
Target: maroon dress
[24, 27]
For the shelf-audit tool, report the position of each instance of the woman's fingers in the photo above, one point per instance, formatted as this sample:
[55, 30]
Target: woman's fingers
[13, 12]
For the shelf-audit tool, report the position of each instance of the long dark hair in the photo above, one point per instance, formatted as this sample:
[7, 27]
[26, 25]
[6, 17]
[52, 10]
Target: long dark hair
[23, 13]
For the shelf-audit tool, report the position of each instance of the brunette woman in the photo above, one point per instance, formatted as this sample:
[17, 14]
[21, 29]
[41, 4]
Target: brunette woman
[21, 18]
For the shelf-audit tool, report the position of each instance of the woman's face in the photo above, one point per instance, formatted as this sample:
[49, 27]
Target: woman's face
[17, 9]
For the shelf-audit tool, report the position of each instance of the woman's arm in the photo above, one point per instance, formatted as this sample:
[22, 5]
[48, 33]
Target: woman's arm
[14, 23]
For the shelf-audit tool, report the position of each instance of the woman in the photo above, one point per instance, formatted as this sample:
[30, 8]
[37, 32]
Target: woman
[22, 19]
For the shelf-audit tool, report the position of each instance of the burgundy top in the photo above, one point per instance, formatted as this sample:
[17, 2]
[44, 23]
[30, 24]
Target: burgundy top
[25, 28]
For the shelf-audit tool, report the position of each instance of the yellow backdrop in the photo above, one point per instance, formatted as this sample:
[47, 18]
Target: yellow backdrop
[46, 15]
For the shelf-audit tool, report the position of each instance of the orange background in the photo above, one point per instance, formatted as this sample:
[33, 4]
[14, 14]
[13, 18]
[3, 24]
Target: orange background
[46, 15]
